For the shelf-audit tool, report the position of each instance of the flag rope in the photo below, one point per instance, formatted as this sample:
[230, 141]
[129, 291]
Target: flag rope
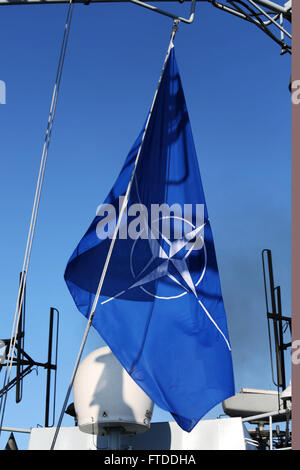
[39, 184]
[112, 243]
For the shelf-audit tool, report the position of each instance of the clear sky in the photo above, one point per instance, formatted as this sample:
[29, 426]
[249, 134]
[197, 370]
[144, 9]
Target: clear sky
[236, 88]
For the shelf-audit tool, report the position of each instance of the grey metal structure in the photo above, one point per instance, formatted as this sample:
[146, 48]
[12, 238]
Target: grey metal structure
[273, 18]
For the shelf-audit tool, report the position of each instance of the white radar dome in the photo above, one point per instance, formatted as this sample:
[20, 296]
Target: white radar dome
[105, 396]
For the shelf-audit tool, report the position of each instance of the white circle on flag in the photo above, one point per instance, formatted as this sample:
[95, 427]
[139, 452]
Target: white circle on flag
[184, 291]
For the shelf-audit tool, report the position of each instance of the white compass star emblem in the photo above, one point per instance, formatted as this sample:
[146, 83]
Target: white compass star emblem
[174, 253]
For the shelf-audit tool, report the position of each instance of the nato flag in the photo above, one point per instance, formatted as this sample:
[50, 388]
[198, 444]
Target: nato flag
[161, 309]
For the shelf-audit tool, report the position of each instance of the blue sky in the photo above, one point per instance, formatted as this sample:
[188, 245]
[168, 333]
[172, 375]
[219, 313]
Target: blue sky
[236, 88]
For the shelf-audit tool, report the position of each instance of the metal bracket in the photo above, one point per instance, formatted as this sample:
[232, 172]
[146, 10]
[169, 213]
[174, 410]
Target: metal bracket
[87, 2]
[166, 13]
[266, 15]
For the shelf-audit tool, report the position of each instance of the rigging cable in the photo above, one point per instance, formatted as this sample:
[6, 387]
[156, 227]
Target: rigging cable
[35, 208]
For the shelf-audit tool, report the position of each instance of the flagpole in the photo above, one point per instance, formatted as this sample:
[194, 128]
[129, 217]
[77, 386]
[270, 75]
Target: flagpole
[111, 247]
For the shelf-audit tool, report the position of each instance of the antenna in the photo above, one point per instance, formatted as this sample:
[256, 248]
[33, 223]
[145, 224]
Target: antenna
[23, 362]
[51, 367]
[20, 340]
[274, 315]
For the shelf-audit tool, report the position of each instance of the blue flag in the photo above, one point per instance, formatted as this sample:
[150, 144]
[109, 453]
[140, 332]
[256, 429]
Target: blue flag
[160, 310]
